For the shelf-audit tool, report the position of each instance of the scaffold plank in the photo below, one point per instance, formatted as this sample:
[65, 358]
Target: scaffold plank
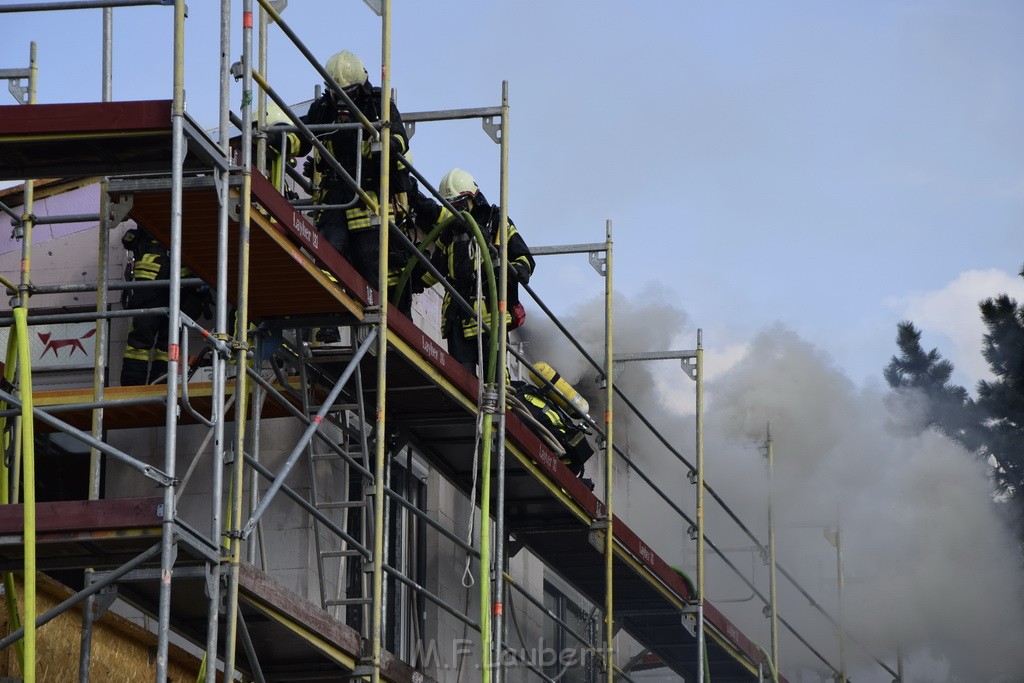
[94, 138]
[150, 413]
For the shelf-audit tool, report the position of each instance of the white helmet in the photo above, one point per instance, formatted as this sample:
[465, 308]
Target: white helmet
[457, 184]
[275, 114]
[346, 69]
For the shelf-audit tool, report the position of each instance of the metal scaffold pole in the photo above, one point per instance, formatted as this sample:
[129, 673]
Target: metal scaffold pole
[498, 591]
[101, 342]
[173, 337]
[772, 594]
[25, 383]
[219, 364]
[700, 507]
[27, 219]
[840, 585]
[381, 445]
[609, 455]
[108, 54]
[241, 326]
[99, 381]
[261, 96]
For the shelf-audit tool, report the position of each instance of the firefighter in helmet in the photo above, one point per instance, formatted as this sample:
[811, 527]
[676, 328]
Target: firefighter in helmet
[350, 229]
[145, 352]
[456, 256]
[283, 148]
[547, 419]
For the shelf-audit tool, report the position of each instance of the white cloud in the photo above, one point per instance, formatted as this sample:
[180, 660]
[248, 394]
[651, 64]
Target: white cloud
[950, 320]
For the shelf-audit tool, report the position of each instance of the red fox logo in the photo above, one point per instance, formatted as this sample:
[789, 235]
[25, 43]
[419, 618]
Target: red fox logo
[56, 344]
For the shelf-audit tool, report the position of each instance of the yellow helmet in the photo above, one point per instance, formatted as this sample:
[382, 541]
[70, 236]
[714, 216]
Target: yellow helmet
[275, 114]
[458, 184]
[346, 69]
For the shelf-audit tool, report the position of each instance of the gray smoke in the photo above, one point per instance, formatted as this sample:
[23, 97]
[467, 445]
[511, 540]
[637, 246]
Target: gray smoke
[929, 567]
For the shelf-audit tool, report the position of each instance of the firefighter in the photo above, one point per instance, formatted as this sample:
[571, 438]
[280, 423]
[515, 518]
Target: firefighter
[352, 231]
[569, 434]
[456, 257]
[282, 149]
[145, 352]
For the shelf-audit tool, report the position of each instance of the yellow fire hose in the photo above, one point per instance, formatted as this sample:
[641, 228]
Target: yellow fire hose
[9, 441]
[18, 355]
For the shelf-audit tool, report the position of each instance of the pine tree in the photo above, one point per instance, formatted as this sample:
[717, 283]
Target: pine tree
[992, 427]
[947, 407]
[1002, 399]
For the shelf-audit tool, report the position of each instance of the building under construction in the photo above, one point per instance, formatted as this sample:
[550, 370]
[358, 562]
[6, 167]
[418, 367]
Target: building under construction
[280, 510]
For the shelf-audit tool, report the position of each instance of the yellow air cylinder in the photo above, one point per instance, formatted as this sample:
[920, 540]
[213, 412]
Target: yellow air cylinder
[576, 400]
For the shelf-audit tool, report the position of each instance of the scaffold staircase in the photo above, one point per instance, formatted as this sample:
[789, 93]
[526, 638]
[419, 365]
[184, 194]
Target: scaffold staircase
[338, 480]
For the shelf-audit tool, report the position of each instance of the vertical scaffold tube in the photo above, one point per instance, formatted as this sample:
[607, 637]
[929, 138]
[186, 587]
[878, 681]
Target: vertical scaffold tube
[25, 380]
[108, 54]
[99, 380]
[840, 627]
[222, 333]
[241, 328]
[609, 454]
[380, 451]
[173, 338]
[261, 97]
[498, 599]
[29, 197]
[701, 674]
[772, 594]
[261, 164]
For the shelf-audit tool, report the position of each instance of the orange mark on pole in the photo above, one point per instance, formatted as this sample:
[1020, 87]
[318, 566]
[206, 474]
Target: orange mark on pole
[246, 19]
[174, 353]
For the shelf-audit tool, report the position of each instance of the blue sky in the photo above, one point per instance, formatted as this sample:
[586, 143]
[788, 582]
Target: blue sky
[830, 167]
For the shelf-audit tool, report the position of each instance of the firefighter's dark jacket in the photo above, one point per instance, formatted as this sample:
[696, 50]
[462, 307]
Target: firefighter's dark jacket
[329, 108]
[455, 259]
[151, 260]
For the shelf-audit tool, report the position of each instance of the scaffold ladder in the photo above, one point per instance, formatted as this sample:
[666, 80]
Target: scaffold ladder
[338, 479]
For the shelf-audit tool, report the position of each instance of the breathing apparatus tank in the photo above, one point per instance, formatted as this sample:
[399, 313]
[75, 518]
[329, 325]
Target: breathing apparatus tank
[576, 400]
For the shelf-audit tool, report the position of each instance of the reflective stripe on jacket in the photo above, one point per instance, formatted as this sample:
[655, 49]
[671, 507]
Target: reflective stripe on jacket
[456, 255]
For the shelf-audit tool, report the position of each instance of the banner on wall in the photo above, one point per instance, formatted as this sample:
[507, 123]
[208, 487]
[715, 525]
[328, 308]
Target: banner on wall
[68, 346]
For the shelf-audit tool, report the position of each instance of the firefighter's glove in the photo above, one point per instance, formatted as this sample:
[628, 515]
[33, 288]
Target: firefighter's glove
[307, 168]
[519, 273]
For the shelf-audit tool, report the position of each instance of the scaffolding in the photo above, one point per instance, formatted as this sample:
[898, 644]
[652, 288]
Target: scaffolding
[210, 203]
